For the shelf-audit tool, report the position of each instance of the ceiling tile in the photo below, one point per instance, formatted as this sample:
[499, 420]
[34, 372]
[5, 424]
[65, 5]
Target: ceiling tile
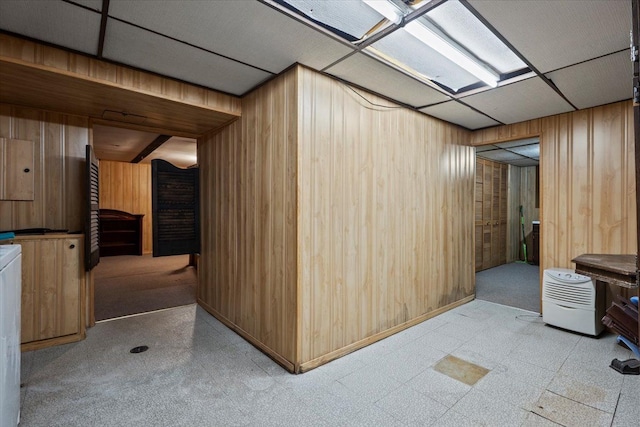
[93, 4]
[517, 102]
[532, 151]
[42, 20]
[601, 81]
[519, 142]
[524, 163]
[142, 49]
[246, 31]
[371, 74]
[500, 156]
[181, 152]
[459, 114]
[119, 144]
[553, 34]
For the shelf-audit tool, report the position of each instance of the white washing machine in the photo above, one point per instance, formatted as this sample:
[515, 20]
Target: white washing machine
[572, 301]
[10, 296]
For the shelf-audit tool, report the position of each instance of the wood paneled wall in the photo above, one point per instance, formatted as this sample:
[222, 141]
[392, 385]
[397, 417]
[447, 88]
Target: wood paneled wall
[385, 217]
[329, 223]
[127, 187]
[134, 80]
[587, 181]
[248, 262]
[60, 142]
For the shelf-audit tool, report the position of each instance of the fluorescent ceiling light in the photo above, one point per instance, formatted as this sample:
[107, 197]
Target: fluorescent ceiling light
[446, 49]
[386, 9]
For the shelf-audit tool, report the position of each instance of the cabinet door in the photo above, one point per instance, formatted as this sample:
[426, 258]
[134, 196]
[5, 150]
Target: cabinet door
[52, 280]
[17, 174]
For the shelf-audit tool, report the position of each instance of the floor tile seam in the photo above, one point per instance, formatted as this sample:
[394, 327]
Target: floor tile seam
[589, 380]
[542, 416]
[615, 410]
[491, 391]
[582, 403]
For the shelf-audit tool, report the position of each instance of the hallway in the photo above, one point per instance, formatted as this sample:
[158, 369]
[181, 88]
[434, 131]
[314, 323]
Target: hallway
[197, 372]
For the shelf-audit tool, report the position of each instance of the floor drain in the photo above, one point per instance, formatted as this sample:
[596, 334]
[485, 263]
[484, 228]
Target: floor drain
[140, 349]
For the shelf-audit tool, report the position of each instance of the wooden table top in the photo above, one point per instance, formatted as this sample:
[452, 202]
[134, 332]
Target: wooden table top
[620, 270]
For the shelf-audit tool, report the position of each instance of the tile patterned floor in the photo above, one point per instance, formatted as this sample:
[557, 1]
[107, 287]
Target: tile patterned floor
[199, 373]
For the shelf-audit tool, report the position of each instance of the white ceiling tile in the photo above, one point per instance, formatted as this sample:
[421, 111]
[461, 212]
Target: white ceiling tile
[247, 31]
[53, 22]
[139, 48]
[460, 114]
[519, 142]
[371, 74]
[517, 102]
[552, 34]
[601, 81]
[532, 151]
[93, 4]
[180, 152]
[500, 156]
[524, 163]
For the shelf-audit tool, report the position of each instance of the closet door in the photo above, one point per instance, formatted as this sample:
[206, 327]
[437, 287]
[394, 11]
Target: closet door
[491, 214]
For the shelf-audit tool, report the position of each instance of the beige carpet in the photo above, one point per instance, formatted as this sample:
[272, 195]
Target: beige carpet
[131, 284]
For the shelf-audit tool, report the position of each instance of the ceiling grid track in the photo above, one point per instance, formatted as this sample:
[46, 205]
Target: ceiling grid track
[103, 27]
[491, 28]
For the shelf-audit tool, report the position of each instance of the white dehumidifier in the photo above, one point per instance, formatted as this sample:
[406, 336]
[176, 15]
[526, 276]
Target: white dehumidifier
[572, 301]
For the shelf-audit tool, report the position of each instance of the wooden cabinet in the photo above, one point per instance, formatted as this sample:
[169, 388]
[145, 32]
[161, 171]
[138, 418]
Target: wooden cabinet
[52, 290]
[16, 171]
[490, 214]
[120, 233]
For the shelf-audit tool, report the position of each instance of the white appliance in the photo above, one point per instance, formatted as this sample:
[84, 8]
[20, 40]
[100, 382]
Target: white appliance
[572, 301]
[10, 296]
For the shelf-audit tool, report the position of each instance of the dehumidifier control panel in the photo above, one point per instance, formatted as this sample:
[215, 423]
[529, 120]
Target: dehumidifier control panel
[567, 276]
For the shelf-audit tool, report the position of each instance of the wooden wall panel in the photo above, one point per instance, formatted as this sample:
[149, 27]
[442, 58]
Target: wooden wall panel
[60, 142]
[137, 81]
[587, 182]
[248, 262]
[385, 217]
[127, 187]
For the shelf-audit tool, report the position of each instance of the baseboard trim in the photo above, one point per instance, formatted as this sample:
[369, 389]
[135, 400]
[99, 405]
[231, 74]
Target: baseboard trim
[319, 361]
[279, 359]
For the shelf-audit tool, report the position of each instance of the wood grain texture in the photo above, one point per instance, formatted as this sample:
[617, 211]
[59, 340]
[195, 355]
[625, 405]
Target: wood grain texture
[59, 149]
[248, 261]
[385, 215]
[587, 179]
[491, 214]
[57, 80]
[127, 187]
[53, 291]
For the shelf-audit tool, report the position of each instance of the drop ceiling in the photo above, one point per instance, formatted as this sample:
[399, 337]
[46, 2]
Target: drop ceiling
[522, 152]
[576, 52]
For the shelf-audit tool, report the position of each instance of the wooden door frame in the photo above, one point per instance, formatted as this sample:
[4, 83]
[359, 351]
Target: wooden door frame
[540, 178]
[89, 275]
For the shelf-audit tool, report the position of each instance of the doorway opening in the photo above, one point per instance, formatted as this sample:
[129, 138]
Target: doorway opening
[129, 280]
[507, 223]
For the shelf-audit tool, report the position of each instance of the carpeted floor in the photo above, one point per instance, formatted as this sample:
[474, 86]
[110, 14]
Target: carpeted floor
[132, 284]
[515, 285]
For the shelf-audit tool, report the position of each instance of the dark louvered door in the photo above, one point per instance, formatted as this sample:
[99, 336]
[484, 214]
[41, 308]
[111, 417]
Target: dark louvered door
[176, 209]
[92, 217]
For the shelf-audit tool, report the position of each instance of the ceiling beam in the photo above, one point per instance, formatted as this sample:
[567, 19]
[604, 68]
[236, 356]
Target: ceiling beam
[153, 146]
[103, 27]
